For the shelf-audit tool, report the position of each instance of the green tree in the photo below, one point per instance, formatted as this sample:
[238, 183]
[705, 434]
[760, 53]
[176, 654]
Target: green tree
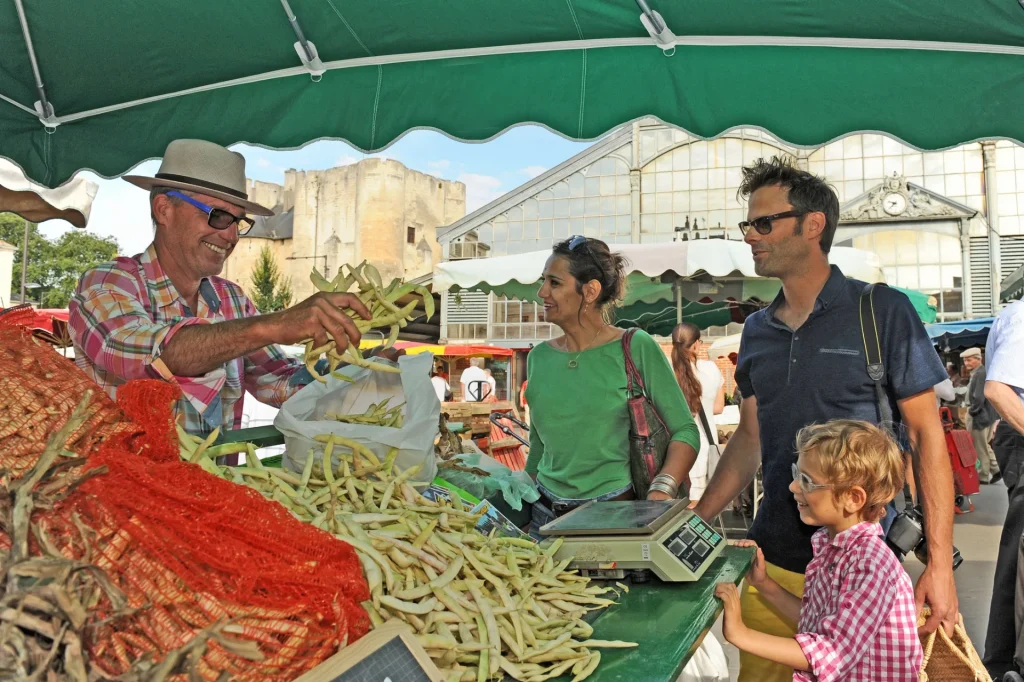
[74, 253]
[40, 251]
[54, 266]
[271, 291]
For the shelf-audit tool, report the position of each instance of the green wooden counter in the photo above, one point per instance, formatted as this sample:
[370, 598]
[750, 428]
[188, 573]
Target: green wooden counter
[668, 620]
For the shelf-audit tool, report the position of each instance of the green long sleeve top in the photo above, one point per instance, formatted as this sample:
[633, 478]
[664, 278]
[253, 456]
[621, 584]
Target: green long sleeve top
[579, 424]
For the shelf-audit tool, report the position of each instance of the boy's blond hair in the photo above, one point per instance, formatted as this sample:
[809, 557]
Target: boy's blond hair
[855, 453]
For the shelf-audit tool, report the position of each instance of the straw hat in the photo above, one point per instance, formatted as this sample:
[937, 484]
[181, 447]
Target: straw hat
[206, 168]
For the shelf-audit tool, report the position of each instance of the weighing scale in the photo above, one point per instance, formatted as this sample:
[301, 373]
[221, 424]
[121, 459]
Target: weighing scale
[606, 539]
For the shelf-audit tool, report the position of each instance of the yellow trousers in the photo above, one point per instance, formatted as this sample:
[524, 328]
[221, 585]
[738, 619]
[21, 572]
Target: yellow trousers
[760, 615]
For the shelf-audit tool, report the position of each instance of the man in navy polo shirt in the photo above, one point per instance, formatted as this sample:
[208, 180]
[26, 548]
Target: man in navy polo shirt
[802, 362]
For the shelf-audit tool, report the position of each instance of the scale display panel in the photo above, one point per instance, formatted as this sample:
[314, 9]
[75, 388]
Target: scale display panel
[627, 517]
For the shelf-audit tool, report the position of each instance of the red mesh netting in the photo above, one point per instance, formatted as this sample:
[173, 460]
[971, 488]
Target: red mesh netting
[189, 550]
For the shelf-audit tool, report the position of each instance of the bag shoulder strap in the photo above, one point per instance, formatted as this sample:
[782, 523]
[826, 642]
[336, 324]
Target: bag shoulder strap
[634, 381]
[707, 426]
[873, 355]
[876, 366]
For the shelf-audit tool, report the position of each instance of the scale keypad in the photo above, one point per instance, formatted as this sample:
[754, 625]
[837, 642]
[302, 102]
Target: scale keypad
[692, 542]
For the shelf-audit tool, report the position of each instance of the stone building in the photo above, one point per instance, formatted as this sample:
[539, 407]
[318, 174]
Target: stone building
[6, 272]
[948, 223]
[376, 209]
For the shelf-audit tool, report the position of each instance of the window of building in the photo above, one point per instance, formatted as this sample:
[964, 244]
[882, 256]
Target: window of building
[516, 320]
[410, 235]
[692, 188]
[924, 261]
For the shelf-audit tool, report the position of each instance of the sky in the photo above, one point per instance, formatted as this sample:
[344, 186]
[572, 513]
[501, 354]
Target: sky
[489, 170]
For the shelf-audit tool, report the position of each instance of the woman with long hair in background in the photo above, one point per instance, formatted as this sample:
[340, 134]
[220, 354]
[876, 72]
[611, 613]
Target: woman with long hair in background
[703, 387]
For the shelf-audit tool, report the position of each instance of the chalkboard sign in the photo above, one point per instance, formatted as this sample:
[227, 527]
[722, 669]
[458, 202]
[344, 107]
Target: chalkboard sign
[393, 662]
[389, 653]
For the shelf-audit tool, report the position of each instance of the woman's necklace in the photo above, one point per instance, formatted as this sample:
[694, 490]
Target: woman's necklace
[573, 364]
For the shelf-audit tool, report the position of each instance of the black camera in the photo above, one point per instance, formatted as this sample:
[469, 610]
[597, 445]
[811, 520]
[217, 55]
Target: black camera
[906, 534]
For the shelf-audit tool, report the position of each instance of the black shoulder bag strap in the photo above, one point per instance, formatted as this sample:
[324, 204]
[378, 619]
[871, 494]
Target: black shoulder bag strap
[876, 367]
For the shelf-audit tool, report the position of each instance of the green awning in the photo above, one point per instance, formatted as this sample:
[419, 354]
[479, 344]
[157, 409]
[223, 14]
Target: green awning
[124, 79]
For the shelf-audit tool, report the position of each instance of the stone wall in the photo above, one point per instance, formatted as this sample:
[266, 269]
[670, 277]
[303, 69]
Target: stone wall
[351, 213]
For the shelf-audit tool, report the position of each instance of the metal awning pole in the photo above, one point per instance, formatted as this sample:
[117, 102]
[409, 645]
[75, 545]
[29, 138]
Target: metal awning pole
[651, 15]
[294, 21]
[47, 108]
[678, 286]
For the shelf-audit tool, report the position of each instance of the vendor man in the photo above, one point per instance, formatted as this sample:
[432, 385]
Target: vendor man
[802, 362]
[165, 312]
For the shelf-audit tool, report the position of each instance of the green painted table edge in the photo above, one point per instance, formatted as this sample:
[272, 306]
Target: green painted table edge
[667, 620]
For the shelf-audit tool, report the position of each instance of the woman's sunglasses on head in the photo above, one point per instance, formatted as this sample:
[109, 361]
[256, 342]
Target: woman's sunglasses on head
[218, 218]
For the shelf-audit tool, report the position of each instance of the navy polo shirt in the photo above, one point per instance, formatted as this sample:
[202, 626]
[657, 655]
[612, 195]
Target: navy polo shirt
[816, 374]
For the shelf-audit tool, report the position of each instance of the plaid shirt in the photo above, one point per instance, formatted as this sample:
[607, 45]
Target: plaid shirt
[858, 619]
[123, 315]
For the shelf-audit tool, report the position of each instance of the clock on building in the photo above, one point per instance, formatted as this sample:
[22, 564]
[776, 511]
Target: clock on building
[894, 203]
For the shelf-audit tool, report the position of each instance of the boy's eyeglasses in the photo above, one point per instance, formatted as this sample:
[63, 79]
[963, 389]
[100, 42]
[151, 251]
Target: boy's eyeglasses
[763, 225]
[218, 218]
[805, 482]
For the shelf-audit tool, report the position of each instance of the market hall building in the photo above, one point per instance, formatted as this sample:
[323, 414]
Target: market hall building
[949, 224]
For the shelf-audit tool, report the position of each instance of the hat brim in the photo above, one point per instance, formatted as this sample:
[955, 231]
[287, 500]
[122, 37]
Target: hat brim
[149, 183]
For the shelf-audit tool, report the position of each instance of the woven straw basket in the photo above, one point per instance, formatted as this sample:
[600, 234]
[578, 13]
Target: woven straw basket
[950, 659]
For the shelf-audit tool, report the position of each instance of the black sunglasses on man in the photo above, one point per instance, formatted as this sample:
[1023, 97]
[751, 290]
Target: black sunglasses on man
[763, 225]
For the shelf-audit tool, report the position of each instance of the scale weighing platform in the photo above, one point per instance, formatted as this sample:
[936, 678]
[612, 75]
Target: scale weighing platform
[608, 538]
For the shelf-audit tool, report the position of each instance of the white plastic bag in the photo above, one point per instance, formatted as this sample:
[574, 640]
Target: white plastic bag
[301, 418]
[708, 663]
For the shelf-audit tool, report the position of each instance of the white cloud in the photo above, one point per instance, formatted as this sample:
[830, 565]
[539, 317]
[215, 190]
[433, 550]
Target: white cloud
[263, 163]
[480, 189]
[533, 171]
[440, 165]
[346, 160]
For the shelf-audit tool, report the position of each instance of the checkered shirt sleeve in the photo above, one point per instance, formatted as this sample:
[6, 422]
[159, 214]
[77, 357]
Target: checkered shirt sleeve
[110, 324]
[270, 375]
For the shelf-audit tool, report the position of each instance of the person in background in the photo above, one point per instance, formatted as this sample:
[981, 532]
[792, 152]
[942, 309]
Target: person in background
[523, 404]
[1004, 389]
[474, 381]
[857, 618]
[441, 387]
[492, 390]
[704, 389]
[981, 416]
[579, 435]
[801, 362]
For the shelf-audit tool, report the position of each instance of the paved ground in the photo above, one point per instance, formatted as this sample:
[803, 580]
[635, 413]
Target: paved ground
[977, 537]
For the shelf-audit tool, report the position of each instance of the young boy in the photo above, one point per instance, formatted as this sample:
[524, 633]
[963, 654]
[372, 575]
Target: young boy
[857, 620]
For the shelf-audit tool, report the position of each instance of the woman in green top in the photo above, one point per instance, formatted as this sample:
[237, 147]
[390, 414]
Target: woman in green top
[576, 388]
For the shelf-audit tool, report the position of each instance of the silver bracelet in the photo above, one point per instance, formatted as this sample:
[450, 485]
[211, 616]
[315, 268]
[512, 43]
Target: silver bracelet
[668, 479]
[663, 488]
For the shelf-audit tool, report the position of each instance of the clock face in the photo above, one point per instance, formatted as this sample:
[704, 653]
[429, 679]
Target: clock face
[894, 203]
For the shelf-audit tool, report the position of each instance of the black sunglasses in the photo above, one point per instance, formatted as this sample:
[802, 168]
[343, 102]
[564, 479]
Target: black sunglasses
[763, 225]
[579, 240]
[218, 219]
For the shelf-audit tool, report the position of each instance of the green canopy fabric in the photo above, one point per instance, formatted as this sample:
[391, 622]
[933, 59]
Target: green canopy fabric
[125, 78]
[651, 305]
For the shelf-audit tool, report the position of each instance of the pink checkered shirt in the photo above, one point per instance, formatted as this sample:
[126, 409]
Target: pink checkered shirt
[858, 619]
[123, 314]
